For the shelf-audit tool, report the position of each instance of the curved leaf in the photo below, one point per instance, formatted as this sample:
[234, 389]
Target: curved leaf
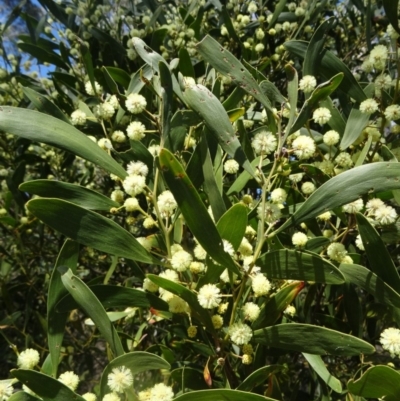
[112, 296]
[201, 100]
[370, 282]
[70, 192]
[92, 306]
[356, 122]
[378, 255]
[41, 127]
[22, 396]
[89, 228]
[345, 188]
[318, 365]
[259, 376]
[68, 256]
[44, 386]
[295, 265]
[190, 297]
[312, 340]
[377, 382]
[221, 395]
[193, 209]
[137, 362]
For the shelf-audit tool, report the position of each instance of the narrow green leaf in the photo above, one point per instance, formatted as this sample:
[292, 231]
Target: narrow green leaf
[89, 228]
[201, 100]
[42, 55]
[44, 386]
[68, 256]
[391, 10]
[277, 12]
[112, 85]
[312, 58]
[43, 104]
[370, 282]
[330, 66]
[22, 396]
[289, 264]
[226, 63]
[88, 63]
[185, 63]
[153, 59]
[119, 76]
[321, 92]
[221, 395]
[378, 255]
[345, 188]
[77, 194]
[318, 365]
[293, 93]
[312, 340]
[190, 378]
[276, 304]
[189, 296]
[14, 14]
[43, 128]
[193, 210]
[259, 376]
[137, 362]
[112, 296]
[138, 79]
[336, 122]
[93, 308]
[167, 98]
[377, 382]
[356, 123]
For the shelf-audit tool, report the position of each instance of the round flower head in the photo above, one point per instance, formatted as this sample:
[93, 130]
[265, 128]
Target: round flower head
[307, 84]
[131, 204]
[336, 251]
[6, 390]
[70, 379]
[390, 340]
[120, 379]
[166, 203]
[240, 333]
[178, 305]
[104, 111]
[278, 195]
[28, 359]
[111, 397]
[299, 239]
[134, 184]
[105, 143]
[199, 252]
[264, 143]
[343, 159]
[197, 267]
[251, 311]
[217, 321]
[392, 112]
[148, 285]
[369, 106]
[117, 195]
[209, 296]
[307, 188]
[161, 392]
[304, 147]
[260, 285]
[118, 136]
[271, 211]
[137, 168]
[181, 260]
[231, 166]
[373, 204]
[228, 248]
[89, 88]
[353, 207]
[385, 215]
[245, 247]
[322, 115]
[135, 130]
[78, 117]
[290, 311]
[135, 103]
[331, 137]
[89, 397]
[378, 56]
[359, 243]
[192, 331]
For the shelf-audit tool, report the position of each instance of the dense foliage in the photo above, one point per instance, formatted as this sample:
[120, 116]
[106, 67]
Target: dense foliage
[199, 200]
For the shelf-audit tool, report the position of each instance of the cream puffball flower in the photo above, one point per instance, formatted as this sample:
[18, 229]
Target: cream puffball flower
[135, 130]
[231, 166]
[308, 83]
[331, 137]
[70, 379]
[78, 117]
[135, 103]
[390, 340]
[89, 88]
[385, 215]
[264, 143]
[260, 285]
[392, 112]
[89, 397]
[28, 359]
[322, 115]
[299, 239]
[251, 311]
[134, 184]
[369, 106]
[6, 390]
[240, 333]
[181, 261]
[120, 379]
[111, 397]
[303, 147]
[209, 296]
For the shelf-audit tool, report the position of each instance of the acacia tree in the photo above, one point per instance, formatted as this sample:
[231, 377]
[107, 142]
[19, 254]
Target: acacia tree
[224, 200]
